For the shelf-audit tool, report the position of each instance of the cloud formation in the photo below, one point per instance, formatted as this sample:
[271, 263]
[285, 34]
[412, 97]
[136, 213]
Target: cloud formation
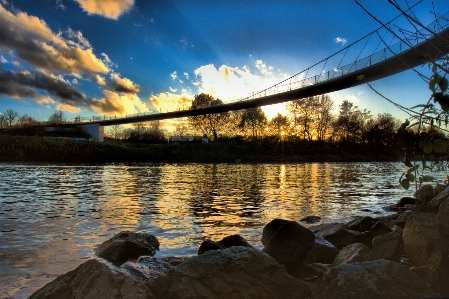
[124, 85]
[111, 9]
[27, 84]
[34, 42]
[340, 40]
[115, 103]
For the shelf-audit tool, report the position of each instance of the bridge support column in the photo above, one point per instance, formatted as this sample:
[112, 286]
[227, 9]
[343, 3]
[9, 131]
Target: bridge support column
[95, 130]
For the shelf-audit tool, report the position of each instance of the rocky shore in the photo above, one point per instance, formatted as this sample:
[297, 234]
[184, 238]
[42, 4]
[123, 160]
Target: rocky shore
[402, 255]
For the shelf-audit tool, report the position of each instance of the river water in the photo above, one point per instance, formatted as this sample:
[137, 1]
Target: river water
[53, 215]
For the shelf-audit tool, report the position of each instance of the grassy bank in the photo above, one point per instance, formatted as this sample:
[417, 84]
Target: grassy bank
[24, 148]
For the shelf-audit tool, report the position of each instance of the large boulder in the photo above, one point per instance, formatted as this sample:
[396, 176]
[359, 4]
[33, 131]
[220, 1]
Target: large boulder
[236, 272]
[208, 245]
[127, 246]
[290, 243]
[353, 253]
[405, 201]
[442, 219]
[93, 280]
[145, 269]
[379, 279]
[428, 250]
[322, 252]
[388, 246]
[271, 228]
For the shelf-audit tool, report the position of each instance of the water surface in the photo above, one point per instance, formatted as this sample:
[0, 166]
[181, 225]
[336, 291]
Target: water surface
[53, 215]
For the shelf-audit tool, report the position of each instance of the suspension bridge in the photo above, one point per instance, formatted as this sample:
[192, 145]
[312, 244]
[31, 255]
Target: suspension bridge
[385, 51]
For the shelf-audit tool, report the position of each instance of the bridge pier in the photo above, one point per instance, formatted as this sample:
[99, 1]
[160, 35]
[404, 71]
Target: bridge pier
[95, 130]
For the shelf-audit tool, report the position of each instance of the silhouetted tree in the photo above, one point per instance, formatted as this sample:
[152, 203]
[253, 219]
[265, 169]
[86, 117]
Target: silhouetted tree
[304, 117]
[57, 118]
[11, 116]
[324, 117]
[279, 125]
[208, 124]
[255, 119]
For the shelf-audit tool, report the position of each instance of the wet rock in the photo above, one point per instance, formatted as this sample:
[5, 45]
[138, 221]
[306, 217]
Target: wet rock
[127, 246]
[379, 279]
[322, 252]
[311, 219]
[353, 253]
[442, 219]
[405, 201]
[93, 280]
[378, 229]
[234, 240]
[145, 269]
[236, 272]
[424, 194]
[208, 245]
[388, 246]
[426, 247]
[290, 243]
[271, 228]
[340, 236]
[174, 260]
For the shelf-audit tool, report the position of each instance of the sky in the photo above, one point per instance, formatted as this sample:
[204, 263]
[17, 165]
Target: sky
[114, 57]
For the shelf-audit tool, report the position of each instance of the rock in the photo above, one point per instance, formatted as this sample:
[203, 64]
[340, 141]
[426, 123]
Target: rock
[434, 205]
[311, 219]
[439, 188]
[236, 272]
[322, 252]
[352, 253]
[379, 279]
[145, 269]
[424, 194]
[422, 238]
[388, 246]
[340, 236]
[362, 224]
[390, 208]
[290, 243]
[426, 247]
[271, 228]
[442, 219]
[378, 229]
[405, 201]
[307, 273]
[93, 280]
[126, 246]
[234, 240]
[208, 245]
[174, 260]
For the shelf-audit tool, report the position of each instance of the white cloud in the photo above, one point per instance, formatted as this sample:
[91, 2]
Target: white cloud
[340, 40]
[186, 75]
[3, 59]
[173, 75]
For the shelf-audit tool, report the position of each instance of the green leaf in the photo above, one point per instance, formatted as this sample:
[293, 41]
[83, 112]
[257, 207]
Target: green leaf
[443, 84]
[427, 178]
[410, 170]
[439, 146]
[405, 184]
[434, 68]
[410, 177]
[426, 145]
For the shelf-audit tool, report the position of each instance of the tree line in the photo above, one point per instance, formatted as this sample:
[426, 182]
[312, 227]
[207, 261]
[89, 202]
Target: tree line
[309, 119]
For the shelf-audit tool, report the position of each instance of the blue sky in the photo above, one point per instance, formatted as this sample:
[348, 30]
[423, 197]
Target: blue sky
[96, 57]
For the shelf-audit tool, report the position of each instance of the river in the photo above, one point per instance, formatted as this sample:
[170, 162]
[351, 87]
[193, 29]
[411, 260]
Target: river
[53, 215]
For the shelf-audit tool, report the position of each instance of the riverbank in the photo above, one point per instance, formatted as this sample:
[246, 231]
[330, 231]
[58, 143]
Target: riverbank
[33, 148]
[402, 255]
